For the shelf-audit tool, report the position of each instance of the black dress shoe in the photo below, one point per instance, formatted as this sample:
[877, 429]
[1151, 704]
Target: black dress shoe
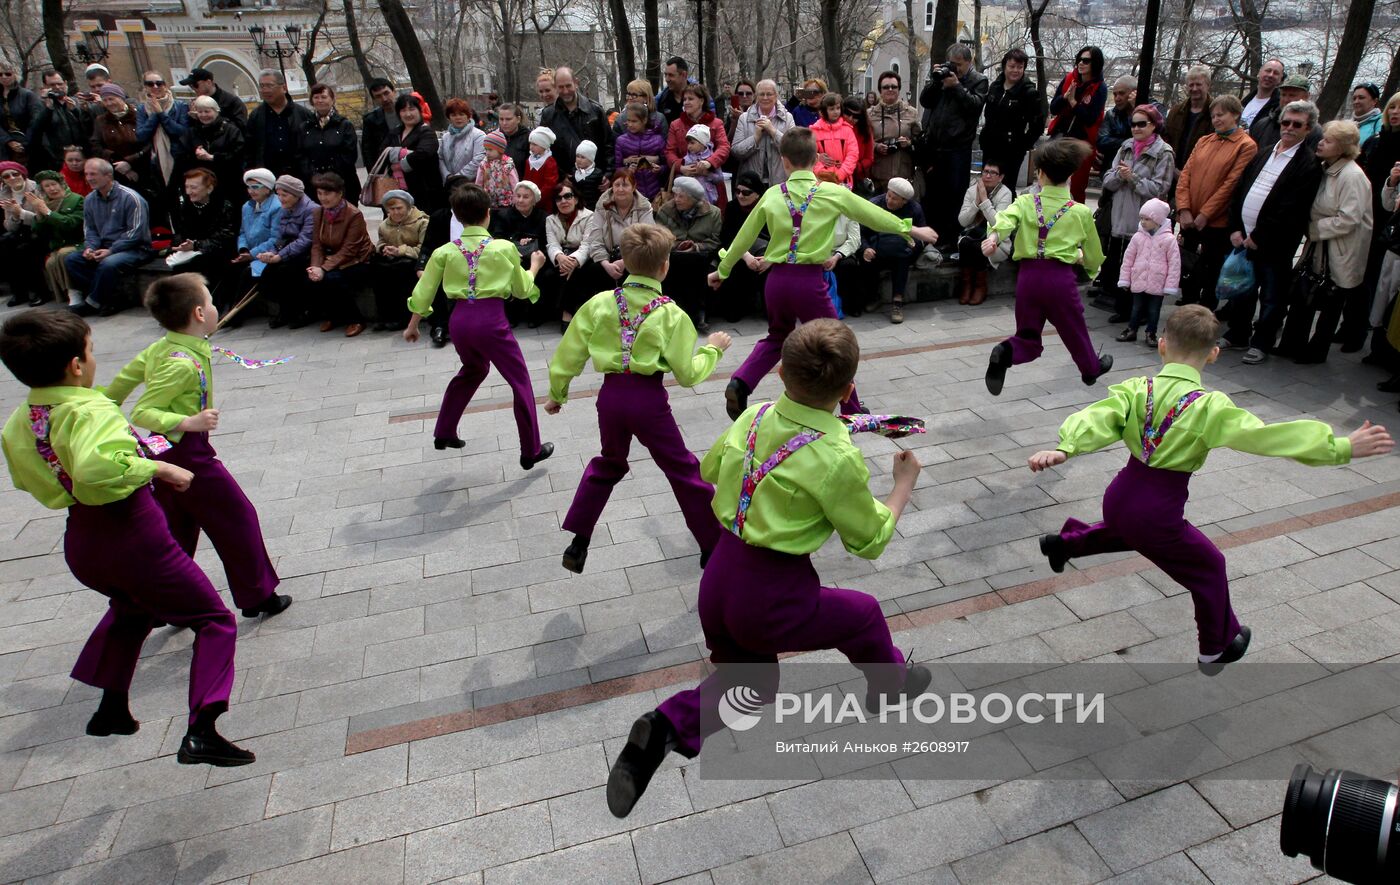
[106, 724]
[110, 310]
[212, 749]
[736, 398]
[299, 323]
[83, 309]
[1390, 385]
[16, 299]
[1053, 546]
[576, 554]
[439, 336]
[273, 605]
[543, 454]
[452, 443]
[1233, 652]
[1105, 364]
[1353, 346]
[916, 678]
[651, 738]
[997, 365]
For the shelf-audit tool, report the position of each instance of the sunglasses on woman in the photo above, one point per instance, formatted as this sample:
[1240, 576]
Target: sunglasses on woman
[745, 191]
[1140, 124]
[152, 84]
[1086, 60]
[566, 195]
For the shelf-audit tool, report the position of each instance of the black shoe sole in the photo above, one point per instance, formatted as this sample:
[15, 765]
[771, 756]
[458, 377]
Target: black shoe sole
[107, 729]
[625, 786]
[917, 678]
[441, 444]
[185, 757]
[282, 604]
[1053, 548]
[545, 451]
[1105, 366]
[997, 365]
[1233, 652]
[735, 402]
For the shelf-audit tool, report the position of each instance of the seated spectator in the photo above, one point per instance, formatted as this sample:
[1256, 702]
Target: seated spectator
[14, 185]
[206, 223]
[619, 208]
[462, 147]
[567, 253]
[414, 153]
[54, 217]
[212, 142]
[696, 224]
[541, 168]
[73, 159]
[588, 175]
[328, 143]
[890, 251]
[987, 196]
[742, 292]
[394, 266]
[838, 149]
[640, 150]
[844, 265]
[261, 218]
[523, 224]
[697, 151]
[116, 239]
[284, 279]
[340, 252]
[114, 137]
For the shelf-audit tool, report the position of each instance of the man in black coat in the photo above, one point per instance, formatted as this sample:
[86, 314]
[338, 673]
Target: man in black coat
[1269, 217]
[378, 123]
[61, 122]
[276, 127]
[574, 119]
[1015, 118]
[953, 102]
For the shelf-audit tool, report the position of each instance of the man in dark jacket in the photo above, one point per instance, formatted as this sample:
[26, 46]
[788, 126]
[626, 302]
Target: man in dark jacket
[60, 122]
[1015, 117]
[378, 123]
[276, 126]
[1269, 216]
[231, 107]
[575, 119]
[953, 102]
[1265, 129]
[1189, 121]
[18, 109]
[1117, 121]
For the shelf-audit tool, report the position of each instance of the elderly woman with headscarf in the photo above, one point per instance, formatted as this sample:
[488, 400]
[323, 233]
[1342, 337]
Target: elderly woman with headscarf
[289, 255]
[114, 137]
[260, 218]
[522, 222]
[758, 131]
[742, 292]
[394, 265]
[566, 253]
[697, 225]
[1144, 168]
[212, 142]
[53, 216]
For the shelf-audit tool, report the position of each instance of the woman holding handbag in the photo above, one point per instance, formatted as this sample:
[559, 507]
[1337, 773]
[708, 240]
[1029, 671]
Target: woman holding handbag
[1339, 240]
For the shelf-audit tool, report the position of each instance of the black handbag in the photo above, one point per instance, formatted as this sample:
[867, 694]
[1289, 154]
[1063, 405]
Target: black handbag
[1311, 288]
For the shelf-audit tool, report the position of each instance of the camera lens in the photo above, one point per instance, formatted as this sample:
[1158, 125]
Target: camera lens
[1343, 822]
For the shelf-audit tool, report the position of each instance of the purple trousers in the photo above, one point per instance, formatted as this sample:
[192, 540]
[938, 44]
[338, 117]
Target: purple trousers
[215, 503]
[1047, 291]
[757, 603]
[793, 293]
[636, 406]
[481, 333]
[1143, 510]
[125, 552]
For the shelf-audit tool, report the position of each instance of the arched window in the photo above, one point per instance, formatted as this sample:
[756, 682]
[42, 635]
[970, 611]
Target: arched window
[928, 14]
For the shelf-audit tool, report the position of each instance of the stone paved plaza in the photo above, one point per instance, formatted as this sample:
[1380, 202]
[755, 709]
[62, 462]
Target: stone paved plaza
[443, 700]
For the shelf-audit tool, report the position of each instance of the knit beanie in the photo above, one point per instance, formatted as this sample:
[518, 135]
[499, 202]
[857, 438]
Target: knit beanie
[111, 89]
[542, 136]
[700, 132]
[397, 194]
[691, 187]
[496, 140]
[901, 187]
[291, 185]
[587, 149]
[534, 188]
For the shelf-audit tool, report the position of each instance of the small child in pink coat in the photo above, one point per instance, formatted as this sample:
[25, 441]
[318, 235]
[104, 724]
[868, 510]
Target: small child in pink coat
[1151, 269]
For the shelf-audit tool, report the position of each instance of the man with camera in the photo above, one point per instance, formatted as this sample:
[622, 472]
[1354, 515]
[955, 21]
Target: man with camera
[18, 108]
[61, 122]
[953, 100]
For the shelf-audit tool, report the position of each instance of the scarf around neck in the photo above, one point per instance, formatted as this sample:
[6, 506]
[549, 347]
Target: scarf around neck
[1140, 146]
[165, 159]
[537, 162]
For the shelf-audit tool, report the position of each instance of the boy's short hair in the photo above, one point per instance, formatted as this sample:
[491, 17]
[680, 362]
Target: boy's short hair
[1191, 330]
[1059, 158]
[171, 299]
[37, 345]
[799, 147]
[470, 204]
[820, 360]
[646, 248]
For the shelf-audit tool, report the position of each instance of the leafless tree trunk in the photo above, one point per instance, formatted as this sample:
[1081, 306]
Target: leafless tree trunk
[55, 41]
[831, 45]
[401, 26]
[913, 42]
[711, 47]
[1148, 55]
[352, 32]
[1250, 20]
[945, 33]
[652, 14]
[1169, 86]
[1348, 58]
[1392, 79]
[626, 52]
[977, 33]
[308, 56]
[1034, 11]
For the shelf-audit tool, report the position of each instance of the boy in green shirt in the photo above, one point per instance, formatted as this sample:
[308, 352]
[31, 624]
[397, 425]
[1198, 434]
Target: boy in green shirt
[178, 403]
[635, 335]
[71, 448]
[801, 215]
[1169, 424]
[1051, 232]
[786, 476]
[478, 273]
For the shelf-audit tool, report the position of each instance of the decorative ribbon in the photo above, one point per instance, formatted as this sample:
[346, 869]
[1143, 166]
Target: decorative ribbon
[251, 364]
[632, 325]
[1152, 437]
[892, 426]
[797, 213]
[237, 358]
[472, 256]
[1046, 225]
[752, 477]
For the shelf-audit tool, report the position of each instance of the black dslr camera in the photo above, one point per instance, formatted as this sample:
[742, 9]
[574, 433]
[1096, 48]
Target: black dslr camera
[1343, 822]
[941, 72]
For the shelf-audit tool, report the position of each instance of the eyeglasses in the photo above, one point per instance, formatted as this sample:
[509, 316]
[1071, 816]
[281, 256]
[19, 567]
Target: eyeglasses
[743, 93]
[745, 191]
[254, 186]
[1141, 124]
[154, 83]
[885, 87]
[1292, 124]
[1086, 60]
[636, 95]
[567, 195]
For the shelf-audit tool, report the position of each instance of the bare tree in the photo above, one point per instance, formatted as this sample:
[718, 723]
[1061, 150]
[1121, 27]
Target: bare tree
[352, 33]
[831, 45]
[652, 16]
[308, 55]
[1347, 59]
[626, 52]
[401, 26]
[945, 32]
[23, 30]
[56, 43]
[913, 43]
[1148, 56]
[1392, 79]
[1035, 11]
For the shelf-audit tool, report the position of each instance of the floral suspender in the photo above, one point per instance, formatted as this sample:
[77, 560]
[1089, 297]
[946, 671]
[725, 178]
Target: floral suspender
[752, 477]
[632, 325]
[1152, 436]
[472, 256]
[1046, 225]
[203, 381]
[797, 212]
[146, 446]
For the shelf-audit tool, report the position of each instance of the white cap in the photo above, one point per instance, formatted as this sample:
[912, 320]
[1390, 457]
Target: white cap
[542, 136]
[700, 132]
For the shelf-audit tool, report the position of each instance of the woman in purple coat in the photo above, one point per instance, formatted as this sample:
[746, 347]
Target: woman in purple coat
[641, 149]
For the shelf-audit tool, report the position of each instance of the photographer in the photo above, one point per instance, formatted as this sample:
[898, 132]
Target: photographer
[953, 100]
[894, 125]
[18, 109]
[61, 122]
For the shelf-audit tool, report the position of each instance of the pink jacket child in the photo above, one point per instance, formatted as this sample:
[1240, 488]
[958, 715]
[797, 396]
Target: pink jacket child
[1151, 269]
[497, 172]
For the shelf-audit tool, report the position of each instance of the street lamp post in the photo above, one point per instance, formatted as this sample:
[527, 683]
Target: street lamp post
[93, 49]
[277, 51]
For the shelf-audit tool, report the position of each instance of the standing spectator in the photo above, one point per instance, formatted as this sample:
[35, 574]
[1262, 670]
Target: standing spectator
[114, 136]
[1365, 110]
[284, 278]
[893, 252]
[1189, 122]
[697, 225]
[853, 111]
[1143, 168]
[1383, 276]
[588, 175]
[496, 175]
[462, 146]
[641, 150]
[204, 222]
[695, 97]
[328, 144]
[895, 127]
[116, 239]
[566, 252]
[574, 119]
[806, 107]
[542, 169]
[56, 219]
[340, 250]
[61, 122]
[1117, 122]
[697, 151]
[986, 197]
[743, 290]
[414, 153]
[953, 100]
[19, 108]
[1203, 196]
[668, 101]
[1015, 117]
[1077, 110]
[1341, 229]
[838, 149]
[1265, 130]
[758, 132]
[96, 76]
[1268, 217]
[1265, 97]
[545, 87]
[744, 94]
[212, 142]
[275, 127]
[378, 123]
[231, 107]
[639, 92]
[516, 135]
[161, 122]
[394, 265]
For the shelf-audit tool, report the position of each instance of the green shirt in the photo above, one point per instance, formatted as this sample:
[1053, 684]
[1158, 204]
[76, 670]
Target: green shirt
[1211, 422]
[823, 487]
[664, 343]
[830, 202]
[498, 273]
[93, 443]
[1072, 232]
[172, 383]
